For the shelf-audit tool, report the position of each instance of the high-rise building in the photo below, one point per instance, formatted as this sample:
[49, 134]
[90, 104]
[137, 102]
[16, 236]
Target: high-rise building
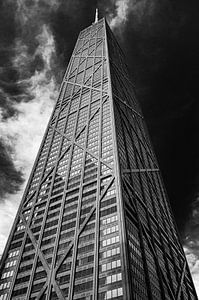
[94, 221]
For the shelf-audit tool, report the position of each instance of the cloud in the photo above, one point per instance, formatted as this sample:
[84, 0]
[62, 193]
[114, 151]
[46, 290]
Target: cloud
[27, 126]
[191, 241]
[192, 226]
[193, 262]
[8, 210]
[118, 12]
[22, 132]
[120, 15]
[28, 85]
[30, 117]
[27, 11]
[10, 177]
[46, 46]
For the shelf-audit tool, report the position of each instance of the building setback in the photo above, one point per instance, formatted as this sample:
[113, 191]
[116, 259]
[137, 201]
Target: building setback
[94, 221]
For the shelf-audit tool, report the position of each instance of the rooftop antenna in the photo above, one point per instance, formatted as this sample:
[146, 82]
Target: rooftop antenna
[96, 15]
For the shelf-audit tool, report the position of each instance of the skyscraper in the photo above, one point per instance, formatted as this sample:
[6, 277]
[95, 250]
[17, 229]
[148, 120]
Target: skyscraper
[94, 221]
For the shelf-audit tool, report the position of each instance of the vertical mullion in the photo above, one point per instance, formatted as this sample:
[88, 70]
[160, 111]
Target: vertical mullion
[170, 216]
[118, 184]
[72, 155]
[141, 161]
[139, 226]
[97, 212]
[148, 150]
[51, 278]
[76, 236]
[174, 228]
[43, 173]
[155, 213]
[47, 204]
[159, 229]
[140, 231]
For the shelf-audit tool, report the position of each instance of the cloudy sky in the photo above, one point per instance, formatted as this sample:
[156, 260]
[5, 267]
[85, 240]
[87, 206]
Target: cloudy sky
[160, 40]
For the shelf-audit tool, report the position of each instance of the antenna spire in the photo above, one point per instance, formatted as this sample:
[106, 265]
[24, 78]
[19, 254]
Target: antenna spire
[96, 15]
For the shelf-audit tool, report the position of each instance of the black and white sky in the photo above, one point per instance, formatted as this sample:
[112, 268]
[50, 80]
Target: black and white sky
[161, 44]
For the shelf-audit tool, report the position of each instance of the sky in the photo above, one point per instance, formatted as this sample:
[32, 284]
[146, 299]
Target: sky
[160, 41]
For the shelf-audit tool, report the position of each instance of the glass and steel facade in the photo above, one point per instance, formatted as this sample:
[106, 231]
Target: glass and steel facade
[94, 222]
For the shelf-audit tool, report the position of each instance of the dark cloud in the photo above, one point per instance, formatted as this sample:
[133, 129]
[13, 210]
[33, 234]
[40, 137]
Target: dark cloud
[7, 31]
[66, 23]
[10, 178]
[19, 30]
[162, 54]
[6, 107]
[7, 40]
[10, 85]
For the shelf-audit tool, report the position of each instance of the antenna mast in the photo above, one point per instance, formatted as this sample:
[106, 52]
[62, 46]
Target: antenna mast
[96, 15]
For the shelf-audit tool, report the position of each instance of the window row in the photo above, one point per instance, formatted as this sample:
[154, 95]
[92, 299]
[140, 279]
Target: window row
[113, 240]
[111, 265]
[111, 252]
[5, 285]
[114, 293]
[10, 264]
[3, 297]
[110, 230]
[7, 274]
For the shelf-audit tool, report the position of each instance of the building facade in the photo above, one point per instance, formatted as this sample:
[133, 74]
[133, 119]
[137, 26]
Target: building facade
[94, 221]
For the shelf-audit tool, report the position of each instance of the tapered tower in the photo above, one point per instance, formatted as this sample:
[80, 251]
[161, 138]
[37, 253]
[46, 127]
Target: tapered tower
[94, 221]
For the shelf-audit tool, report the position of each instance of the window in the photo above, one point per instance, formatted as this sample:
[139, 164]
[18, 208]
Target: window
[10, 263]
[28, 257]
[49, 232]
[20, 227]
[112, 240]
[83, 286]
[111, 193]
[69, 225]
[51, 223]
[111, 265]
[108, 202]
[3, 297]
[110, 230]
[86, 260]
[84, 273]
[22, 279]
[14, 253]
[7, 274]
[49, 241]
[87, 238]
[111, 252]
[87, 248]
[114, 293]
[20, 292]
[110, 220]
[108, 211]
[113, 278]
[5, 285]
